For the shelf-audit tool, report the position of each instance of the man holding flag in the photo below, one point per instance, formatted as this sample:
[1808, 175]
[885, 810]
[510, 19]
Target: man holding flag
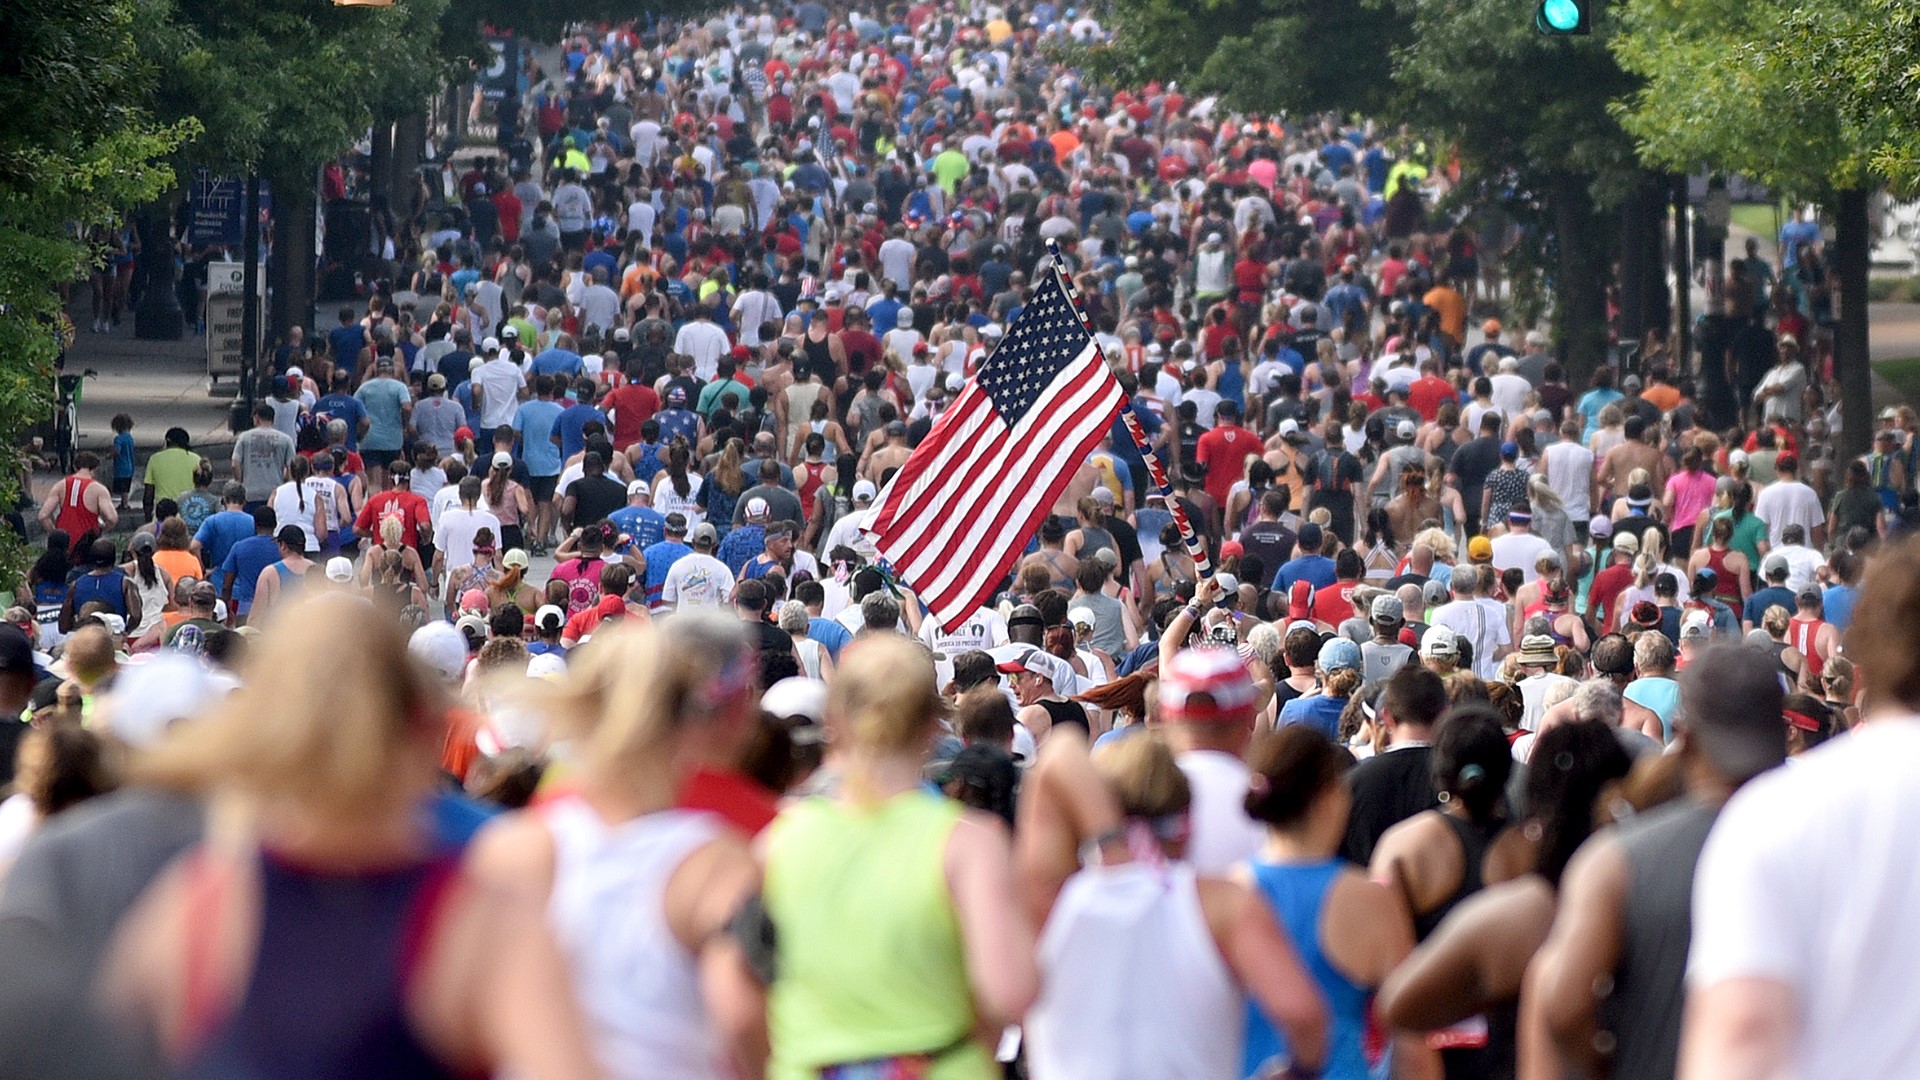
[962, 507]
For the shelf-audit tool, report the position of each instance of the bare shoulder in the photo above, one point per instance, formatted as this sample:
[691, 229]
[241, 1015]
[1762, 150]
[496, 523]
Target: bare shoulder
[514, 850]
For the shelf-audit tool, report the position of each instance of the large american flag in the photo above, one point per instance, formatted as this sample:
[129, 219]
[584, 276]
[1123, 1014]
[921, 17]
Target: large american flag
[957, 515]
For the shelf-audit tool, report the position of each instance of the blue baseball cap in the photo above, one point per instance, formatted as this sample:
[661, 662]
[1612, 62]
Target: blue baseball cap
[1339, 653]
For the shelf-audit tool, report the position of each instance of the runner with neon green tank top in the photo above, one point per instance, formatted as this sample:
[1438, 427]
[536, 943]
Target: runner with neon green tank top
[900, 941]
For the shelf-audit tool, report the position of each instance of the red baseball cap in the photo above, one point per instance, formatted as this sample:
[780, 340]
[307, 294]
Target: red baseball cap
[1206, 686]
[1300, 601]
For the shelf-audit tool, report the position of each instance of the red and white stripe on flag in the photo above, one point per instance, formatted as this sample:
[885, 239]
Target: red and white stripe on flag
[958, 514]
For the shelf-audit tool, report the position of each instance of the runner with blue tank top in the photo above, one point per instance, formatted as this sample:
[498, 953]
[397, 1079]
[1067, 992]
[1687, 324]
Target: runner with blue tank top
[1350, 931]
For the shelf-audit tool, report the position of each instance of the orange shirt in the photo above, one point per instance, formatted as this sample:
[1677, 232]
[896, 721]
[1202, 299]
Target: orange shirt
[179, 564]
[1452, 308]
[1665, 398]
[1064, 144]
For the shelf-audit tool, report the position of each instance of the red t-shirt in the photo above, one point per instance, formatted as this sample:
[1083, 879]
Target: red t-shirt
[1607, 586]
[738, 799]
[1333, 605]
[1213, 340]
[1428, 393]
[630, 406]
[1224, 452]
[410, 508]
[1250, 278]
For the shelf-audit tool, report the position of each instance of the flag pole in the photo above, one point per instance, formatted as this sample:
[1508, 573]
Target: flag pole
[1156, 473]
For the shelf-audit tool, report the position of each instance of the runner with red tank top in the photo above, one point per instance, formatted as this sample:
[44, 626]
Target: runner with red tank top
[74, 507]
[1808, 633]
[1725, 585]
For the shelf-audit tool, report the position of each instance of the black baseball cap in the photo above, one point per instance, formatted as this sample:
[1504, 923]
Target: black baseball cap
[16, 652]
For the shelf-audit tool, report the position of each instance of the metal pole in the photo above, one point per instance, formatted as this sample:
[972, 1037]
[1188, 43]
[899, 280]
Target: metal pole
[1155, 471]
[249, 300]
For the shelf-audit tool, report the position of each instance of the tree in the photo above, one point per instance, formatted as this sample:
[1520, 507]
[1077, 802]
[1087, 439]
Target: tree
[1781, 107]
[281, 87]
[1532, 109]
[73, 60]
[1527, 114]
[1293, 56]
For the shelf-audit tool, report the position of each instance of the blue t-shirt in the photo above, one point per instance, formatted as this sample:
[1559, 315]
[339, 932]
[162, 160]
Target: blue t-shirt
[1337, 155]
[741, 545]
[1317, 569]
[464, 395]
[345, 343]
[644, 524]
[558, 362]
[123, 455]
[244, 562]
[573, 420]
[344, 407]
[1837, 606]
[1762, 599]
[830, 633]
[217, 536]
[386, 401]
[660, 559]
[456, 819]
[535, 421]
[1320, 712]
[1591, 403]
[678, 424]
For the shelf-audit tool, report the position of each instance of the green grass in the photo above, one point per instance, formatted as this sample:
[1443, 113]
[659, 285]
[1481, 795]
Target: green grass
[1897, 290]
[1760, 219]
[1903, 375]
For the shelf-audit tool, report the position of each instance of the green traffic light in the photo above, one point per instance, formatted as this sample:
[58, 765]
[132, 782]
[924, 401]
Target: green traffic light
[1560, 16]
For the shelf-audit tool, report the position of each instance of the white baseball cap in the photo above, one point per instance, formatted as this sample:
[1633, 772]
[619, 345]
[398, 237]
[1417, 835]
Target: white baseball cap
[491, 344]
[864, 489]
[639, 487]
[796, 696]
[340, 568]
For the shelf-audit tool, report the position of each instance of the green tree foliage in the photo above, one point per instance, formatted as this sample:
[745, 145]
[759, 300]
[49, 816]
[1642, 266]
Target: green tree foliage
[75, 149]
[282, 86]
[1867, 60]
[1297, 56]
[1721, 87]
[1776, 89]
[1527, 113]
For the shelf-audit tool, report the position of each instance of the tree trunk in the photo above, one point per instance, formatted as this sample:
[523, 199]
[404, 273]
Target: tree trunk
[290, 271]
[380, 161]
[409, 147]
[1682, 276]
[1851, 358]
[1633, 264]
[157, 317]
[1643, 271]
[1580, 297]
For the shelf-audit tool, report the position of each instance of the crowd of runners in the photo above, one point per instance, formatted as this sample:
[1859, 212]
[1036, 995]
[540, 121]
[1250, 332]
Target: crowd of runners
[1512, 728]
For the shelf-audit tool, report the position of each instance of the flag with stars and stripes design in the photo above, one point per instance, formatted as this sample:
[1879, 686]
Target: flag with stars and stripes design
[958, 514]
